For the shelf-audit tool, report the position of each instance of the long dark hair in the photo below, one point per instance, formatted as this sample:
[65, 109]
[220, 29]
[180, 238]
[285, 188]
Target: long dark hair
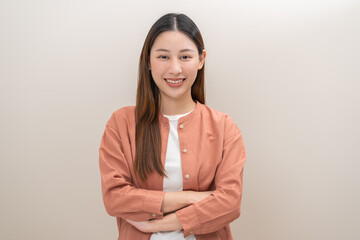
[148, 138]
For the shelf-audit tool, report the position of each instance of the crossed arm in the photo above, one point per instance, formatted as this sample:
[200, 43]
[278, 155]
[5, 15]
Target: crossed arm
[172, 201]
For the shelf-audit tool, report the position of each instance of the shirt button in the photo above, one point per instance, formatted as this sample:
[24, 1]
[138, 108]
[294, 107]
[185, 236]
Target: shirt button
[181, 126]
[187, 176]
[154, 215]
[184, 150]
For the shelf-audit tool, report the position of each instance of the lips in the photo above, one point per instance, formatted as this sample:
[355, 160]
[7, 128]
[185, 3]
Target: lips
[174, 80]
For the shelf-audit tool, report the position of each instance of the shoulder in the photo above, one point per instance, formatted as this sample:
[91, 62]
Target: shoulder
[216, 115]
[123, 116]
[125, 112]
[221, 119]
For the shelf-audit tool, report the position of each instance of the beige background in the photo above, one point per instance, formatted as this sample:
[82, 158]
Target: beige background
[286, 71]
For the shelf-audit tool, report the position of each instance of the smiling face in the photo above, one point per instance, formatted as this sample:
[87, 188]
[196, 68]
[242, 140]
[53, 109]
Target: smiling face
[174, 63]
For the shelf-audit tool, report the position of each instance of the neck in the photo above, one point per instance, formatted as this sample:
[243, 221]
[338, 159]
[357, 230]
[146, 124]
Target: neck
[176, 107]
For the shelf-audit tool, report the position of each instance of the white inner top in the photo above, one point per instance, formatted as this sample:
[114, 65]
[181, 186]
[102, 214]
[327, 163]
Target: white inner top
[174, 181]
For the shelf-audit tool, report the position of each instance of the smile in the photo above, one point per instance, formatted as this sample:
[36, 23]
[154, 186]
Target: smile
[175, 81]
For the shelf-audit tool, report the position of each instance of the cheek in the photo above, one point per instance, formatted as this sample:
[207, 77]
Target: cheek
[191, 69]
[157, 68]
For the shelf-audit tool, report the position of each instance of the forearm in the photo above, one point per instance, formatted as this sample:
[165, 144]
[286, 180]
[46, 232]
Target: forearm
[172, 201]
[132, 203]
[176, 200]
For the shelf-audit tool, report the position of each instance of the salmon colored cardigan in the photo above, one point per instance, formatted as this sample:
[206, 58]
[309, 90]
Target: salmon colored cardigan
[212, 158]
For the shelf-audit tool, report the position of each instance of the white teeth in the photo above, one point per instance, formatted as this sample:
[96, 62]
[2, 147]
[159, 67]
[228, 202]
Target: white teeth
[171, 81]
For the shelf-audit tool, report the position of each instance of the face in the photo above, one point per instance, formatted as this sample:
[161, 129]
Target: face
[174, 62]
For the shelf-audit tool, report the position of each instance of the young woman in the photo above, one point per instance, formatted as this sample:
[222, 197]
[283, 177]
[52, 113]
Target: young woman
[172, 167]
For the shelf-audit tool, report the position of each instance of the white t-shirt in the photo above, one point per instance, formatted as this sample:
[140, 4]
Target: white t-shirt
[173, 169]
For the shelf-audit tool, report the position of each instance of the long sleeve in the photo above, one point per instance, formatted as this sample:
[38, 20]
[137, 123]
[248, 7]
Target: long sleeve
[121, 198]
[223, 206]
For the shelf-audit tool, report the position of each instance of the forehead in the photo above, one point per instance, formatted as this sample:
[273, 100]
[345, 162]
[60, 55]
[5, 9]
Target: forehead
[173, 41]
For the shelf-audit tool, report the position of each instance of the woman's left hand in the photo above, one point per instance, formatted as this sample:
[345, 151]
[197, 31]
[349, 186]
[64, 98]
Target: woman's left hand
[168, 223]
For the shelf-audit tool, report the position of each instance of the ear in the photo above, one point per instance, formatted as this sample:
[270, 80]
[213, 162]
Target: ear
[202, 59]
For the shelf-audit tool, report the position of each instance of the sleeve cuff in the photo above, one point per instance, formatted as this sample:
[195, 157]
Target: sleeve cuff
[189, 220]
[153, 203]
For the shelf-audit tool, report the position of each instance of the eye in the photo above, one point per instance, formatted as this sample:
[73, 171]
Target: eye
[185, 57]
[162, 57]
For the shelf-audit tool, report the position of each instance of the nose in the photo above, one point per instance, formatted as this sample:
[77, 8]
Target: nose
[175, 67]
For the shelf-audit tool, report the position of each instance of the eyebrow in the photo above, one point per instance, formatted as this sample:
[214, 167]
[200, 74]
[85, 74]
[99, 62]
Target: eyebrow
[165, 50]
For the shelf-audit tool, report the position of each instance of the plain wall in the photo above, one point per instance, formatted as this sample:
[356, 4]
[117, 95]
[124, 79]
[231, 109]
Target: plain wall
[287, 72]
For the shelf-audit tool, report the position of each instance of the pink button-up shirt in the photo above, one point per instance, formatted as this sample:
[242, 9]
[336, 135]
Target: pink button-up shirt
[212, 158]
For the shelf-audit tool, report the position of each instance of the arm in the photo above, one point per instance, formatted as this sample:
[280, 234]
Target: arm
[121, 198]
[223, 206]
[170, 222]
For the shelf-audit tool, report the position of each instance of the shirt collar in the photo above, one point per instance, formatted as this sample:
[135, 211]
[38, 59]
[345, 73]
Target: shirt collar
[198, 107]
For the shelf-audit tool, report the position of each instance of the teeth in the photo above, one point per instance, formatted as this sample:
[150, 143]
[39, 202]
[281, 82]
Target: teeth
[171, 81]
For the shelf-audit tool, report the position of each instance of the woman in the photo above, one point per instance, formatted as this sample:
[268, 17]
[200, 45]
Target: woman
[172, 167]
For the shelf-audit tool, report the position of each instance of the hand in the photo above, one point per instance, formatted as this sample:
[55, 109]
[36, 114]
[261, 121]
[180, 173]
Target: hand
[141, 226]
[168, 223]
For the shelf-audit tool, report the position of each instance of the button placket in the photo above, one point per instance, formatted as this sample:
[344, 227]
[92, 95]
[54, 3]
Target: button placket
[184, 154]
[185, 170]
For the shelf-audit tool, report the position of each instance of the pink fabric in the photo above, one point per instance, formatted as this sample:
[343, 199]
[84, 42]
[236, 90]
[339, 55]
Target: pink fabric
[213, 160]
